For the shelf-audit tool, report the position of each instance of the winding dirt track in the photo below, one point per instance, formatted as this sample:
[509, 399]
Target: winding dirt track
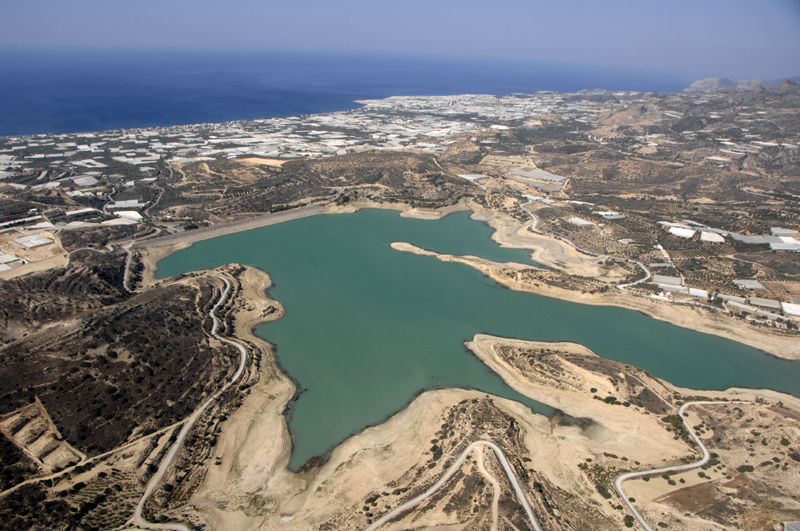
[138, 519]
[679, 468]
[512, 478]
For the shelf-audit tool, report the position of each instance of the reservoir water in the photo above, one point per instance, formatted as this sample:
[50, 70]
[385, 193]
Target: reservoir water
[367, 327]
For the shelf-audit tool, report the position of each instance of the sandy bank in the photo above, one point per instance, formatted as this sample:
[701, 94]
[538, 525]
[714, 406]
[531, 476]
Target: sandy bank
[406, 211]
[630, 431]
[508, 232]
[155, 249]
[555, 253]
[783, 345]
[621, 430]
[150, 257]
[255, 443]
[484, 346]
[253, 489]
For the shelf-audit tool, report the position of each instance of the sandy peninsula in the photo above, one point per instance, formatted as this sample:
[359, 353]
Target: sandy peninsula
[508, 232]
[611, 418]
[584, 445]
[783, 345]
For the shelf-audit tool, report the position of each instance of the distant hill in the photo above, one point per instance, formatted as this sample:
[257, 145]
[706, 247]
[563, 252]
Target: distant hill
[715, 84]
[786, 86]
[775, 82]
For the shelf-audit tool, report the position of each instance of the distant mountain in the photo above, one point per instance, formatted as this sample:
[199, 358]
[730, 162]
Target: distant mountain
[715, 84]
[775, 82]
[786, 86]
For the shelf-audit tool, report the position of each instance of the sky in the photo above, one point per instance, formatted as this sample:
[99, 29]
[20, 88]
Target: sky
[704, 38]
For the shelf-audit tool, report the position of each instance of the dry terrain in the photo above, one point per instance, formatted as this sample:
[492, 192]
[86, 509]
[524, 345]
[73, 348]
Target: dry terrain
[610, 418]
[101, 363]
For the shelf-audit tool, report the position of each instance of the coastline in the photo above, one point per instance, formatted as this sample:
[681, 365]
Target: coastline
[255, 444]
[508, 233]
[186, 238]
[623, 430]
[691, 317]
[611, 421]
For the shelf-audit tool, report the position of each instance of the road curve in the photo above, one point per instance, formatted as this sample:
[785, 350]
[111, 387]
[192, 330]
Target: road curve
[624, 287]
[496, 489]
[534, 228]
[621, 287]
[679, 468]
[512, 478]
[165, 464]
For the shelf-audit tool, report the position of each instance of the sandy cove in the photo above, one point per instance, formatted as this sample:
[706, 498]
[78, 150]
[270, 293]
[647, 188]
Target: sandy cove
[778, 344]
[569, 260]
[253, 488]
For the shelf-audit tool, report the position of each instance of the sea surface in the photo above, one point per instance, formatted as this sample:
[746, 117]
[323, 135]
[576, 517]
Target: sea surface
[66, 92]
[367, 327]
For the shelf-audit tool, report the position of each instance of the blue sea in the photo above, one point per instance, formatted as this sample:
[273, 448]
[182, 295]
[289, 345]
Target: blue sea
[61, 92]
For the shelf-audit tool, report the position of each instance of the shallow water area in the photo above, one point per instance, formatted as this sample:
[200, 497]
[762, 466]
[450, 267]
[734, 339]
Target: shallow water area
[367, 328]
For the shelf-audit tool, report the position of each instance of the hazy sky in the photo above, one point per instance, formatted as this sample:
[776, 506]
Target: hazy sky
[730, 38]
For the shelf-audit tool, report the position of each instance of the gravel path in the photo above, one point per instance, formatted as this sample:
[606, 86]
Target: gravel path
[155, 481]
[512, 478]
[679, 468]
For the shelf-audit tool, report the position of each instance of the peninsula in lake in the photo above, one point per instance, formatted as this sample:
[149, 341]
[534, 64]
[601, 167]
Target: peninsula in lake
[538, 311]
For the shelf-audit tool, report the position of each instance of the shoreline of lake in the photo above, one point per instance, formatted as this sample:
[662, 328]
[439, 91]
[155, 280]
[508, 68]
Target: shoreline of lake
[691, 317]
[359, 313]
[778, 344]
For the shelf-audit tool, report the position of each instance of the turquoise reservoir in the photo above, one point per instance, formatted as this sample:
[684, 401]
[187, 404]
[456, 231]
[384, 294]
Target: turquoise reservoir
[367, 328]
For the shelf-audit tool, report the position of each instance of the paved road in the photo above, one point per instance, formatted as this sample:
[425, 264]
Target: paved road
[138, 519]
[155, 481]
[679, 468]
[621, 287]
[624, 287]
[512, 478]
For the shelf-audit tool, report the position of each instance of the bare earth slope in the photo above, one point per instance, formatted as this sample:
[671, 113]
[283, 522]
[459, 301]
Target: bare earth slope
[682, 206]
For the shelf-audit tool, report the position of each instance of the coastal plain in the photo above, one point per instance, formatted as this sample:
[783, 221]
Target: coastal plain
[679, 206]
